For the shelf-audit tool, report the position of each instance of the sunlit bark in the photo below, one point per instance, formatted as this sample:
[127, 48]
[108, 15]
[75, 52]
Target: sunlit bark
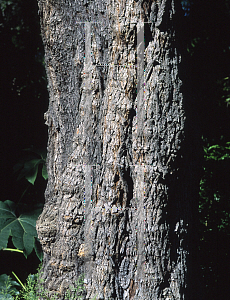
[119, 197]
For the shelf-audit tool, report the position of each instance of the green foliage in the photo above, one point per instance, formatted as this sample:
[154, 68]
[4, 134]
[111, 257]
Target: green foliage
[217, 152]
[214, 215]
[225, 84]
[21, 228]
[33, 289]
[29, 165]
[192, 45]
[28, 291]
[8, 287]
[214, 204]
[75, 292]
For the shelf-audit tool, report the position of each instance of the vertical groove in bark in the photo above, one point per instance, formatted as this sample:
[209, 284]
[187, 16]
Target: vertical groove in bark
[117, 205]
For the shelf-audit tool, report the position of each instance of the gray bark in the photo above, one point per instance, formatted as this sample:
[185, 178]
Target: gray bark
[119, 195]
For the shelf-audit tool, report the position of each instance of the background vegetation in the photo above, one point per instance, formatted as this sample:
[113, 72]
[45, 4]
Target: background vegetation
[23, 101]
[204, 31]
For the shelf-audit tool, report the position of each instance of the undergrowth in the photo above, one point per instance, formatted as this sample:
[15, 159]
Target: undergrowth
[33, 290]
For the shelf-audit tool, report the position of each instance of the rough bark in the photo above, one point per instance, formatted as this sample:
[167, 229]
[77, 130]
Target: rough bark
[119, 199]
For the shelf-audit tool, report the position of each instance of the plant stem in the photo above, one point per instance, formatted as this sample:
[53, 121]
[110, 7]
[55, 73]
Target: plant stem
[18, 280]
[11, 249]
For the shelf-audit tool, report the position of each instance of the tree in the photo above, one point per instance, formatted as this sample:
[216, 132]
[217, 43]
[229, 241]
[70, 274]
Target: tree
[122, 188]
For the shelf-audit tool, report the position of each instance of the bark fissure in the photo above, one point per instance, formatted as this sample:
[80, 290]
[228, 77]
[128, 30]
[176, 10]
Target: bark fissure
[117, 208]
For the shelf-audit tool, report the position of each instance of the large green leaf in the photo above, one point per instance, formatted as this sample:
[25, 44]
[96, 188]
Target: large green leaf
[22, 228]
[29, 169]
[28, 166]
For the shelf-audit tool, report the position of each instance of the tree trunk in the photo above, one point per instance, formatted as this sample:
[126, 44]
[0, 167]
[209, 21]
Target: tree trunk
[119, 200]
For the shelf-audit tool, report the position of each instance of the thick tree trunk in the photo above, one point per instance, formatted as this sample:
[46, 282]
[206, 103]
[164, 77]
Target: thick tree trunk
[119, 199]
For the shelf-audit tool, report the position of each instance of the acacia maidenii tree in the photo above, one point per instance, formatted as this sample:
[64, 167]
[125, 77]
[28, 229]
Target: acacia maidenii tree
[121, 195]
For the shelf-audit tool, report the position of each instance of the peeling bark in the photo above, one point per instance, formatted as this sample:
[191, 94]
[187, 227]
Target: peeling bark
[119, 200]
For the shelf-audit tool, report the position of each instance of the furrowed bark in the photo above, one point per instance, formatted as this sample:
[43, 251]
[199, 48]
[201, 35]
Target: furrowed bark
[119, 199]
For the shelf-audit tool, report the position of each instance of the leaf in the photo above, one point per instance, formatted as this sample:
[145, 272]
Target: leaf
[22, 228]
[44, 172]
[29, 165]
[30, 170]
[7, 287]
[38, 249]
[214, 147]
